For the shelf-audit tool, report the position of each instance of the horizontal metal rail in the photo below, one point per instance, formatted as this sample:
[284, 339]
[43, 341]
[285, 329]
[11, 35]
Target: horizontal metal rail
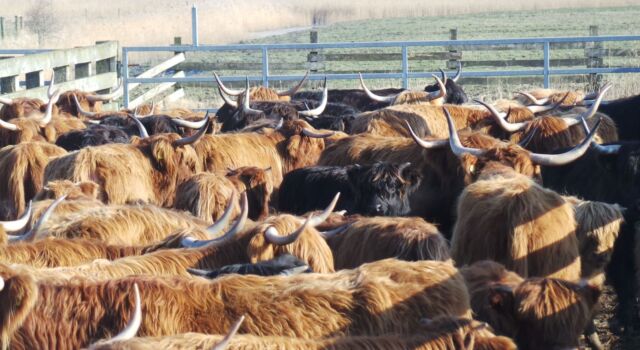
[405, 74]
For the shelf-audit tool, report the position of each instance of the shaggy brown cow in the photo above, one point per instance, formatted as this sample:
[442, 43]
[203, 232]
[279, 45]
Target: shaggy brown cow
[389, 296]
[410, 97]
[20, 108]
[147, 170]
[22, 170]
[540, 313]
[259, 93]
[292, 145]
[377, 238]
[258, 185]
[89, 101]
[440, 333]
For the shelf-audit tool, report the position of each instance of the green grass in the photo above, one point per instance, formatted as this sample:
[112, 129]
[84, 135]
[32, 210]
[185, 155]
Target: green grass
[566, 22]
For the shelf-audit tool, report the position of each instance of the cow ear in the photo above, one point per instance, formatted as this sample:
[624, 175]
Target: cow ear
[90, 189]
[412, 177]
[501, 298]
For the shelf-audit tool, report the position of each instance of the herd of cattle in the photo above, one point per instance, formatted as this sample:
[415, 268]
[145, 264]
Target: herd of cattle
[333, 219]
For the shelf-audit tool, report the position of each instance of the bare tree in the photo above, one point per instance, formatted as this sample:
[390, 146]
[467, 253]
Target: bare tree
[42, 21]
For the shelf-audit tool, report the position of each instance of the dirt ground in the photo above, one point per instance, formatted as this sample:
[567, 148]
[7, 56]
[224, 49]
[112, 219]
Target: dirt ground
[627, 341]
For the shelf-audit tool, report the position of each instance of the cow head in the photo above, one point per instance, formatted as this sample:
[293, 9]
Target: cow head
[300, 144]
[76, 101]
[383, 189]
[73, 190]
[35, 128]
[408, 96]
[455, 93]
[20, 107]
[548, 313]
[258, 185]
[18, 295]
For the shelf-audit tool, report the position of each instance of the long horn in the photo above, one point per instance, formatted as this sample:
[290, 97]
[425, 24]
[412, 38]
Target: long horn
[510, 127]
[107, 97]
[454, 141]
[458, 73]
[443, 74]
[18, 224]
[317, 220]
[567, 157]
[189, 124]
[323, 104]
[387, 99]
[534, 100]
[223, 222]
[548, 108]
[222, 345]
[423, 143]
[8, 126]
[315, 135]
[336, 231]
[50, 90]
[226, 90]
[589, 113]
[48, 115]
[442, 91]
[6, 101]
[33, 233]
[295, 89]
[606, 149]
[133, 326]
[246, 103]
[272, 235]
[141, 129]
[82, 111]
[525, 142]
[226, 99]
[195, 137]
[189, 242]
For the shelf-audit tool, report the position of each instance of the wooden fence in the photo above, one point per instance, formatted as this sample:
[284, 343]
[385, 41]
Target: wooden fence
[89, 68]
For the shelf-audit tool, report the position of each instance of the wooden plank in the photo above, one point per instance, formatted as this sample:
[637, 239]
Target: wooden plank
[154, 92]
[159, 68]
[57, 58]
[93, 83]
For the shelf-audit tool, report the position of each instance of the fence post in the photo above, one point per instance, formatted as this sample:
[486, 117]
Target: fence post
[405, 68]
[16, 25]
[452, 63]
[21, 23]
[594, 60]
[546, 54]
[194, 26]
[265, 67]
[1, 28]
[312, 57]
[125, 78]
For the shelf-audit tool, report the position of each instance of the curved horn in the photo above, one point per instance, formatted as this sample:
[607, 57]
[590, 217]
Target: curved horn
[386, 99]
[567, 157]
[48, 115]
[189, 242]
[606, 149]
[226, 90]
[546, 108]
[223, 222]
[1, 283]
[82, 111]
[8, 126]
[510, 127]
[225, 341]
[315, 135]
[6, 101]
[245, 103]
[336, 231]
[133, 326]
[189, 124]
[295, 89]
[272, 235]
[33, 233]
[525, 142]
[141, 129]
[443, 74]
[195, 137]
[458, 73]
[317, 220]
[442, 91]
[532, 99]
[323, 104]
[454, 141]
[107, 97]
[18, 224]
[423, 143]
[50, 90]
[594, 107]
[226, 99]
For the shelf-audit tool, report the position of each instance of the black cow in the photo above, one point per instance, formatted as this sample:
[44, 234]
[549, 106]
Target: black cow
[93, 135]
[625, 112]
[233, 119]
[609, 173]
[154, 124]
[285, 264]
[378, 189]
[355, 98]
[455, 93]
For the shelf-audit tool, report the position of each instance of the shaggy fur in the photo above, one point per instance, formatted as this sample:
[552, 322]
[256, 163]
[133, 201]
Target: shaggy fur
[22, 170]
[382, 297]
[67, 104]
[508, 218]
[442, 333]
[123, 224]
[73, 190]
[555, 96]
[442, 175]
[281, 150]
[258, 185]
[540, 313]
[206, 196]
[21, 108]
[148, 170]
[376, 238]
